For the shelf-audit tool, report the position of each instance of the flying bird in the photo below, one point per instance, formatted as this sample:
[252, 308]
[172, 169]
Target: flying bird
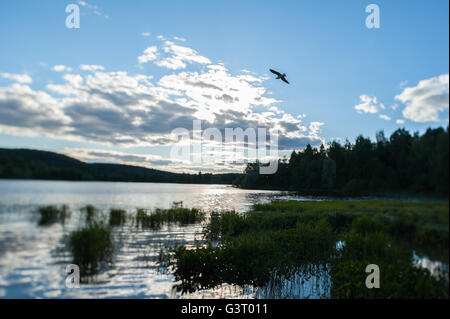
[280, 76]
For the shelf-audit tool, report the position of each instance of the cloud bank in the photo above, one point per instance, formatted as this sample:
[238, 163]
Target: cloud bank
[115, 108]
[425, 101]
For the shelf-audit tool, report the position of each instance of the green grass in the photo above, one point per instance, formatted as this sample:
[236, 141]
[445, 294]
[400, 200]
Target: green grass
[399, 278]
[53, 214]
[281, 237]
[252, 257]
[90, 246]
[159, 217]
[425, 224]
[117, 217]
[91, 213]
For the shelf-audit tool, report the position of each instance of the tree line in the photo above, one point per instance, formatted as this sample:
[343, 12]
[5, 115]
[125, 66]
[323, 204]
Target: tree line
[34, 164]
[402, 163]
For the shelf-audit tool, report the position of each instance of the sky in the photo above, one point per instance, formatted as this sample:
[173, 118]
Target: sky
[114, 89]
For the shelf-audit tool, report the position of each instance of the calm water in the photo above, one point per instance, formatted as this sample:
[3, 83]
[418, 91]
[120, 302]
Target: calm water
[33, 258]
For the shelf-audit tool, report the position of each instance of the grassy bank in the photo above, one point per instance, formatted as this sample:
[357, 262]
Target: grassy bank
[290, 238]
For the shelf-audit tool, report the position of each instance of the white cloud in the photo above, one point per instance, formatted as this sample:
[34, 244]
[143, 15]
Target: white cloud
[403, 83]
[145, 34]
[21, 78]
[368, 105]
[179, 39]
[93, 8]
[314, 127]
[91, 68]
[61, 68]
[122, 109]
[400, 121]
[24, 111]
[179, 56]
[385, 117]
[149, 54]
[107, 156]
[425, 101]
[171, 63]
[114, 108]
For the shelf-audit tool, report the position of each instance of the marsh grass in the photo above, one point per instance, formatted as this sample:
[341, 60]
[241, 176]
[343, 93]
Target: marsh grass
[282, 237]
[91, 213]
[425, 224]
[91, 246]
[52, 214]
[117, 217]
[159, 217]
[399, 277]
[252, 258]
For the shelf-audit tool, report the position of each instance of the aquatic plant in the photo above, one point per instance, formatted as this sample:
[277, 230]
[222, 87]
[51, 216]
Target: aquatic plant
[399, 277]
[53, 214]
[177, 204]
[91, 246]
[117, 217]
[91, 213]
[159, 217]
[252, 257]
[288, 238]
[402, 220]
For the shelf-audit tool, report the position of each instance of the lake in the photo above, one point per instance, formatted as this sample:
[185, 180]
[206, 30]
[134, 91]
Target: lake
[33, 258]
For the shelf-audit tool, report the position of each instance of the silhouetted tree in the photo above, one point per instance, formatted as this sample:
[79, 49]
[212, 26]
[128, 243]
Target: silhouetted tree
[400, 163]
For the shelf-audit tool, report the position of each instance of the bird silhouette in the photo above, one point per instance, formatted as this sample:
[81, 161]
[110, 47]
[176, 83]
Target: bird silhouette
[280, 76]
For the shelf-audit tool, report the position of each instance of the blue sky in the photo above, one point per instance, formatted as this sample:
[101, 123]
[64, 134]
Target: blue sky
[345, 79]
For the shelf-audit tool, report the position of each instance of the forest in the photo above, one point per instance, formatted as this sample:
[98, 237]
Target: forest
[403, 163]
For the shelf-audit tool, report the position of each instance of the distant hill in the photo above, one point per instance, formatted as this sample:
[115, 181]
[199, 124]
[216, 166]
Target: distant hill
[34, 164]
